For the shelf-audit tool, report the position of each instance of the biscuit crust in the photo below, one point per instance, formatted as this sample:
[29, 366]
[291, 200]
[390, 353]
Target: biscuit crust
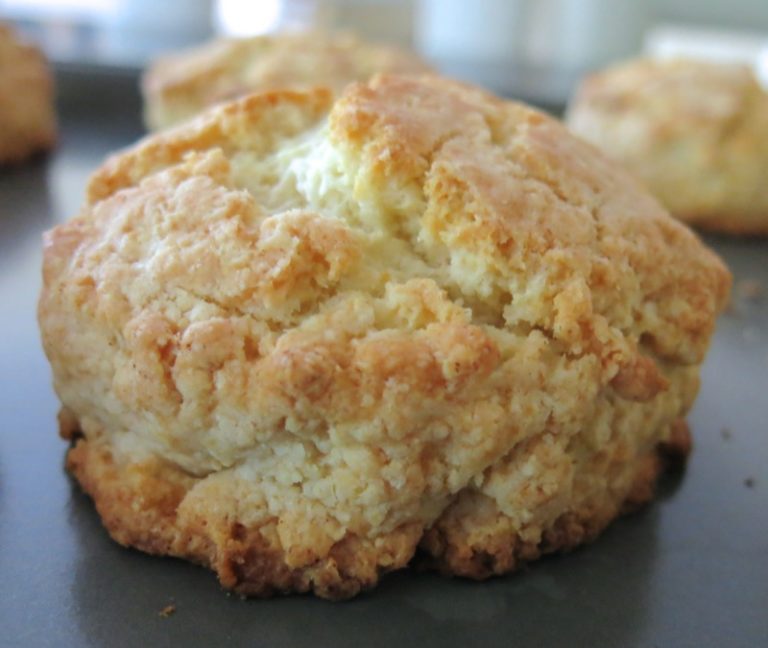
[302, 338]
[179, 86]
[140, 507]
[695, 132]
[27, 117]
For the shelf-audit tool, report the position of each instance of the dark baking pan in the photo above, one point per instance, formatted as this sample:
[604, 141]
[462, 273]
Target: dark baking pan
[689, 570]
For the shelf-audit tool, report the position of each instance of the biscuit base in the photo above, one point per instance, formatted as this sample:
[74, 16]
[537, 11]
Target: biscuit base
[138, 506]
[457, 546]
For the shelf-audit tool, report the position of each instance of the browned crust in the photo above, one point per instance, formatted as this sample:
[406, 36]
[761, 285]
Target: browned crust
[138, 505]
[448, 548]
[502, 550]
[674, 451]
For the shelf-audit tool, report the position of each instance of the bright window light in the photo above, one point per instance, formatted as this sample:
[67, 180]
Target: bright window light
[238, 18]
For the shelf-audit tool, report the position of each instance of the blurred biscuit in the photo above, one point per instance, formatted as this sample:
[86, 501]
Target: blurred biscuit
[179, 86]
[301, 337]
[696, 133]
[27, 118]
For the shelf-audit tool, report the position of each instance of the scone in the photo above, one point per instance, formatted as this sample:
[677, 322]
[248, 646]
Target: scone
[179, 86]
[299, 338]
[27, 117]
[695, 132]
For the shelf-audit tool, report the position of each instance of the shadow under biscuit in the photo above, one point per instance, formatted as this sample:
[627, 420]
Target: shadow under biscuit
[25, 205]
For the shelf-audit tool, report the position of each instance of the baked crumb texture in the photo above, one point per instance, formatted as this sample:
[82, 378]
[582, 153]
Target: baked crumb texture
[695, 132]
[180, 85]
[27, 117]
[297, 340]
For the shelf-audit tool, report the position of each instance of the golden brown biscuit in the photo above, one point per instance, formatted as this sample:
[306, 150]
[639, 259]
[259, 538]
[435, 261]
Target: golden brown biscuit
[695, 132]
[27, 118]
[181, 85]
[296, 338]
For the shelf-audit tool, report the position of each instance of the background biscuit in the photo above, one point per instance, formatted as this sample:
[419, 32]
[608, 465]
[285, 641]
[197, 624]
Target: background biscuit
[27, 118]
[695, 132]
[179, 86]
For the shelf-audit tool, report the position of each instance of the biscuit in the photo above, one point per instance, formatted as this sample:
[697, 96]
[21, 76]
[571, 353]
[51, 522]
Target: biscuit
[695, 132]
[27, 117]
[180, 85]
[299, 338]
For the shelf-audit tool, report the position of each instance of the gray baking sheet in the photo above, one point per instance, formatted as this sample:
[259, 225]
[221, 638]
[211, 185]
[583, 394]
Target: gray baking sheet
[689, 570]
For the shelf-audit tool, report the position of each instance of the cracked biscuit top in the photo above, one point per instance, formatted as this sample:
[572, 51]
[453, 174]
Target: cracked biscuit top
[358, 306]
[180, 85]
